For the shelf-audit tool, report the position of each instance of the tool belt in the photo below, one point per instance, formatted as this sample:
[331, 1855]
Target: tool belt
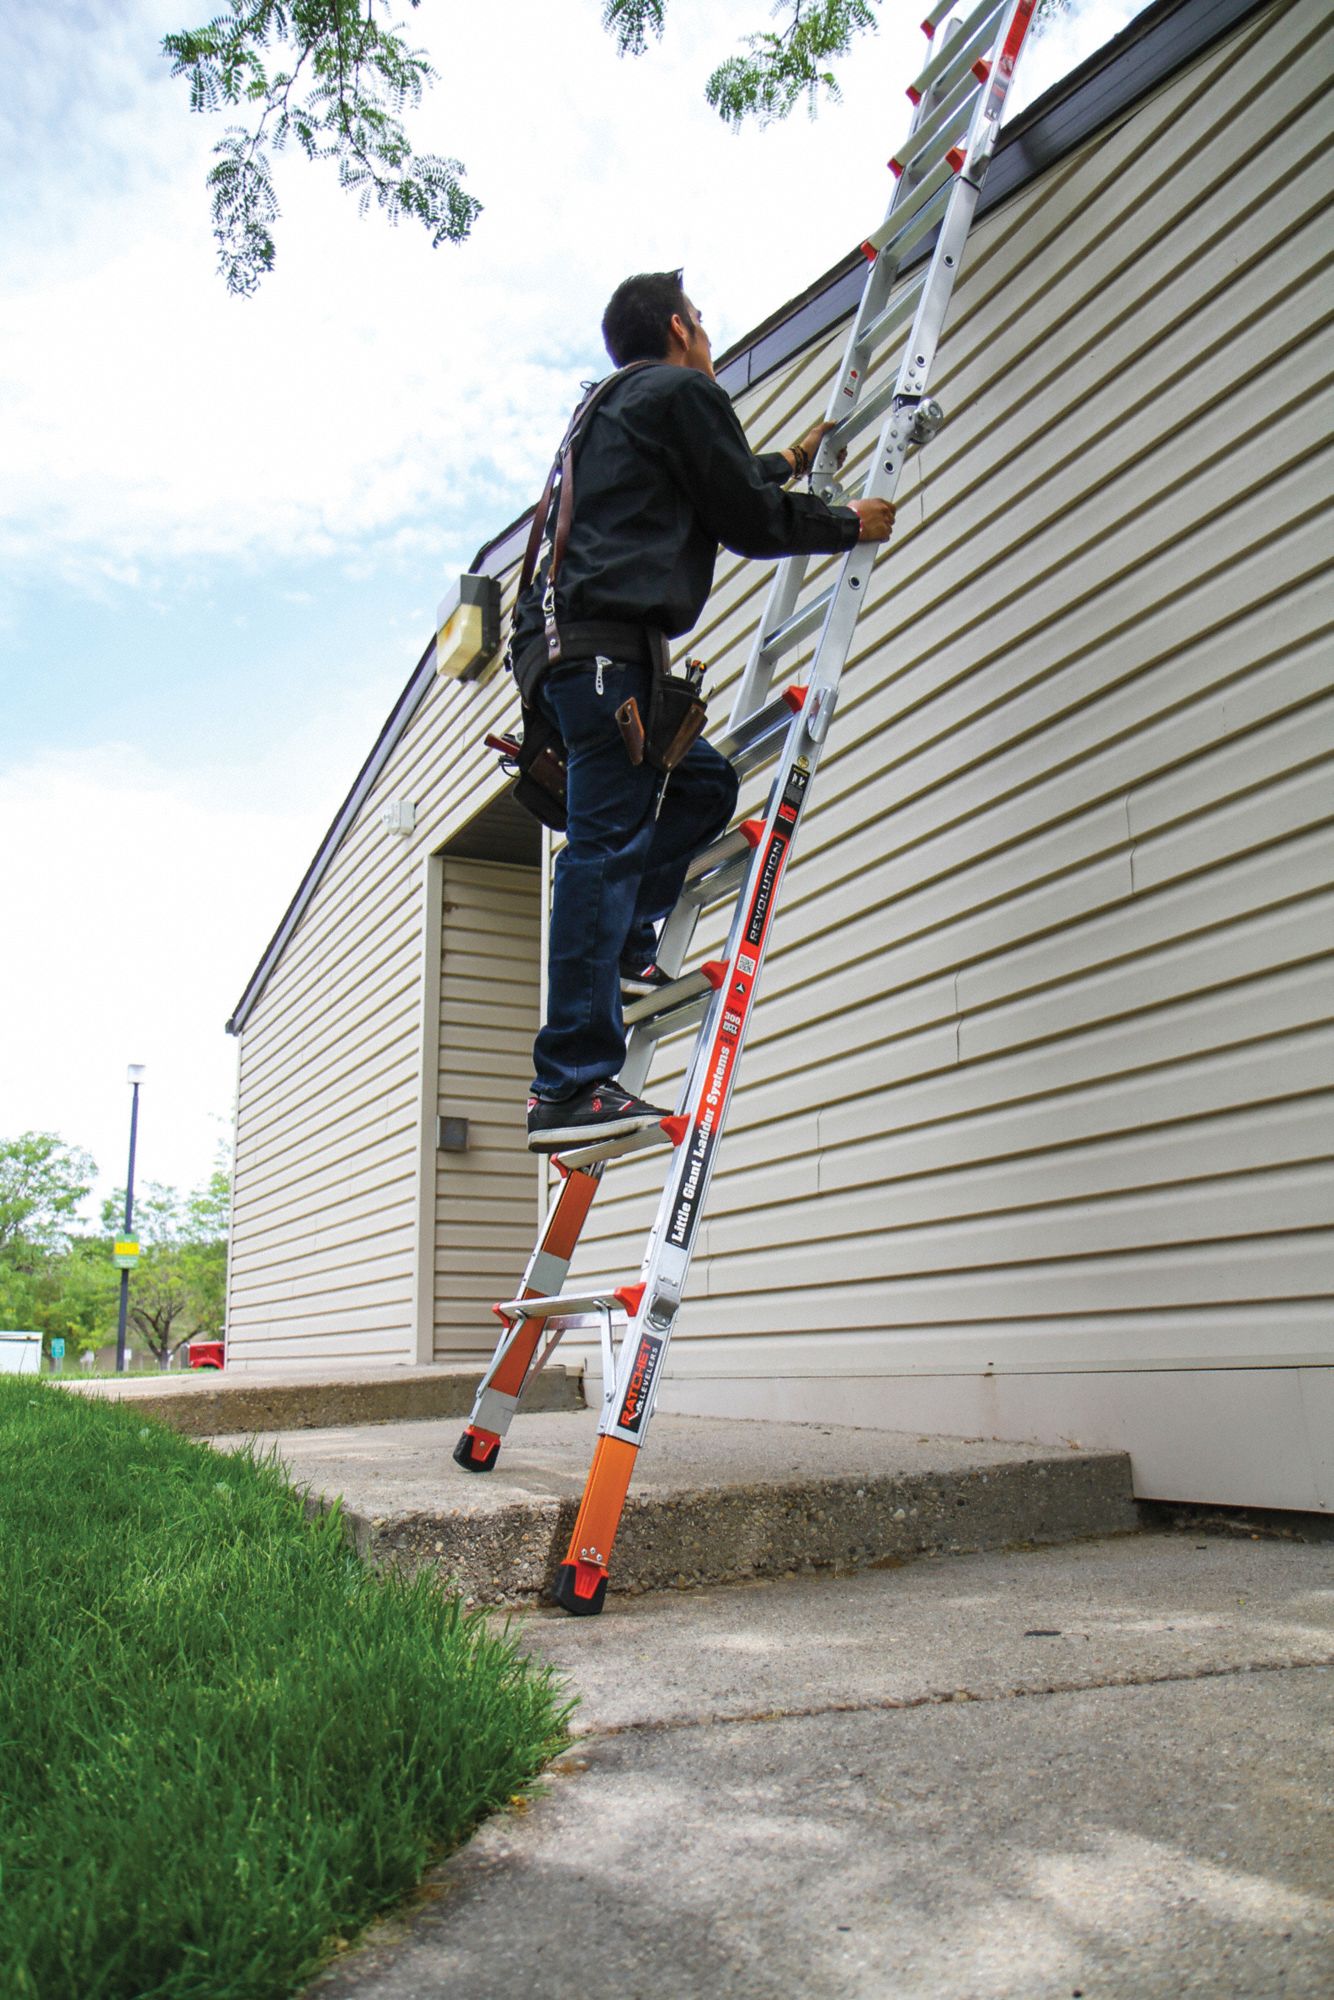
[536, 762]
[677, 711]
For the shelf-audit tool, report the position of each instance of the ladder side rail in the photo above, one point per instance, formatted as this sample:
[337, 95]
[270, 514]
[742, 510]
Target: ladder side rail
[514, 1362]
[757, 675]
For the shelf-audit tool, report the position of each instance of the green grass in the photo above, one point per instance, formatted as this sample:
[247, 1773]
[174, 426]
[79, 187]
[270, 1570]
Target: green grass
[224, 1743]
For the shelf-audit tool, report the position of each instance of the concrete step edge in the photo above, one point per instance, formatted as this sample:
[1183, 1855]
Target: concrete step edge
[715, 1535]
[221, 1408]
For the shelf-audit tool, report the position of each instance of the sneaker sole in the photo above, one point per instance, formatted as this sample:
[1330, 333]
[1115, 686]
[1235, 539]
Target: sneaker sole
[555, 1137]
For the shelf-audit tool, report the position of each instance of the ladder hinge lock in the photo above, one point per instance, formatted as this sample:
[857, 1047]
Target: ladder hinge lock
[927, 420]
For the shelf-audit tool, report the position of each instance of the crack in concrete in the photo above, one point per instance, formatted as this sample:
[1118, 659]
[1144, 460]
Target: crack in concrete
[941, 1698]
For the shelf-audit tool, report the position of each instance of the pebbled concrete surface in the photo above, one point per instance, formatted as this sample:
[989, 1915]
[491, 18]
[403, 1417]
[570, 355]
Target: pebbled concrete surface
[711, 1502]
[1100, 1771]
[209, 1403]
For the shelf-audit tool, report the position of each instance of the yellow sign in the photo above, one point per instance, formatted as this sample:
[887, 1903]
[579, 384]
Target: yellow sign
[125, 1252]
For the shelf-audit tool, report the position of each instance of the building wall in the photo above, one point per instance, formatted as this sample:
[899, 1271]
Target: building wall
[1040, 1079]
[1032, 1131]
[335, 1154]
[486, 1210]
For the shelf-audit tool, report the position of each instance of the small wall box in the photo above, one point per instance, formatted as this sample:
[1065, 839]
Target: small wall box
[467, 628]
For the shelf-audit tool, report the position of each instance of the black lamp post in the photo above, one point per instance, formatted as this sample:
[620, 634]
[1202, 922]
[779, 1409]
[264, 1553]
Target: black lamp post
[134, 1076]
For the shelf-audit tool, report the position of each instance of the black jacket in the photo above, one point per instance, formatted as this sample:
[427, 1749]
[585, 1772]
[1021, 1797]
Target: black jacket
[662, 475]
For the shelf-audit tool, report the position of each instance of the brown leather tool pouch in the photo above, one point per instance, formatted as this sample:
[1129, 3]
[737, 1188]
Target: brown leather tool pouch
[539, 786]
[678, 710]
[631, 725]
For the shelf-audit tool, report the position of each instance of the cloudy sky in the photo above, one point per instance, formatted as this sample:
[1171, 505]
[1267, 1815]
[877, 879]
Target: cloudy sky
[225, 524]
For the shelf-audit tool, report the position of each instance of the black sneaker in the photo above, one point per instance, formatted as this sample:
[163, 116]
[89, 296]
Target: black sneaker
[639, 979]
[601, 1111]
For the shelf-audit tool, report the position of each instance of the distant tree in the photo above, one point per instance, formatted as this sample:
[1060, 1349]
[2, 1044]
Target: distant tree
[51, 1281]
[334, 78]
[178, 1287]
[42, 1182]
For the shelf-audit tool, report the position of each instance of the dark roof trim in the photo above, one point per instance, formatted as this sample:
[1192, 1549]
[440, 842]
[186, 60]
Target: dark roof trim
[1158, 42]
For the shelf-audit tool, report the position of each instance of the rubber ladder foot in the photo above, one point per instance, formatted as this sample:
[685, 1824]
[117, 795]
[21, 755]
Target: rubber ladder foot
[477, 1451]
[579, 1603]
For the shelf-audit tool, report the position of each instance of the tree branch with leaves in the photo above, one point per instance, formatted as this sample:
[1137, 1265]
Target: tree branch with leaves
[349, 77]
[334, 81]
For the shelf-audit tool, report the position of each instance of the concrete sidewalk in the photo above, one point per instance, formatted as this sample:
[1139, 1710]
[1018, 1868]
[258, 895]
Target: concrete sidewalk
[1102, 1771]
[712, 1501]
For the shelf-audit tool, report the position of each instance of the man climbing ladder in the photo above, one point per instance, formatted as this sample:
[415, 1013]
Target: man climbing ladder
[626, 565]
[958, 100]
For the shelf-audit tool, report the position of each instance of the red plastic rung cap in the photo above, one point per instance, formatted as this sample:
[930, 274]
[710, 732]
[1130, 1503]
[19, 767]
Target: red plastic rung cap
[630, 1296]
[795, 696]
[676, 1127]
[929, 30]
[752, 831]
[895, 167]
[715, 969]
[869, 252]
[502, 1315]
[914, 94]
[955, 158]
[981, 69]
[587, 1577]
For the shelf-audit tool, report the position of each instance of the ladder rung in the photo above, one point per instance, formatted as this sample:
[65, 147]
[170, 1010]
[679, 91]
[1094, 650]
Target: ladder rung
[720, 883]
[798, 627]
[948, 122]
[614, 1149]
[562, 1303]
[868, 413]
[935, 15]
[648, 1005]
[899, 231]
[749, 741]
[659, 1026]
[729, 847]
[960, 52]
[899, 309]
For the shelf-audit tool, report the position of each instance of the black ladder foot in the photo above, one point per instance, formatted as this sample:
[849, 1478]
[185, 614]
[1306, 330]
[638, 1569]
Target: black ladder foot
[571, 1599]
[477, 1451]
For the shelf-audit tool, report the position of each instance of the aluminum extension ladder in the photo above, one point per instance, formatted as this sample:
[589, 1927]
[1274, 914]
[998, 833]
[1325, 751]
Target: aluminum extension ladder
[958, 100]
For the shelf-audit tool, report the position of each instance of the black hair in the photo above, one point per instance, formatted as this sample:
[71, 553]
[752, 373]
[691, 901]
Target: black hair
[637, 323]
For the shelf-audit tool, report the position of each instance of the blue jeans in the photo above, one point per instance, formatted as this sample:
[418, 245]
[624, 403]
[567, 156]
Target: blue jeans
[622, 867]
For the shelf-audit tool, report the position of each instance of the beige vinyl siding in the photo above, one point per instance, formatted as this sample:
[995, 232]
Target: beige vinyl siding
[335, 1127]
[486, 1199]
[1041, 1071]
[1039, 1087]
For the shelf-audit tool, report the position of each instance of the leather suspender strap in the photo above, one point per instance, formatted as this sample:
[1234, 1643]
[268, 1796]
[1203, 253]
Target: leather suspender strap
[562, 469]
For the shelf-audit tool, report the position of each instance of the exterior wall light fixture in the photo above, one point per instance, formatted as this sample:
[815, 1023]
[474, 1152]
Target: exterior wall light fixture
[467, 624]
